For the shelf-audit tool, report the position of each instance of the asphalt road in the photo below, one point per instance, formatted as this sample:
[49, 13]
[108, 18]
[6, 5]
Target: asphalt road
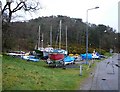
[105, 76]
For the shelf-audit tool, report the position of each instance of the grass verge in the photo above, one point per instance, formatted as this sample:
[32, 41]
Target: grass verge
[18, 74]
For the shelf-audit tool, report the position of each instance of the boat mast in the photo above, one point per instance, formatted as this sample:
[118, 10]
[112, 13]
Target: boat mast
[51, 35]
[66, 38]
[56, 39]
[60, 35]
[39, 37]
[42, 41]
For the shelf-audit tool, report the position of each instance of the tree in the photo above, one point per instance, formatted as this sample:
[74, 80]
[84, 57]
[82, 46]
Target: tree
[13, 6]
[10, 8]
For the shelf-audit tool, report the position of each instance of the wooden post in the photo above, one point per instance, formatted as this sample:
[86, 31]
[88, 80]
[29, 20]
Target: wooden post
[80, 70]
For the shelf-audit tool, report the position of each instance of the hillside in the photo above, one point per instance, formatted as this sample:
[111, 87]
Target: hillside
[24, 35]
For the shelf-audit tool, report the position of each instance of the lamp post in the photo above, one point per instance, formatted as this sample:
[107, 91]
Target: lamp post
[87, 33]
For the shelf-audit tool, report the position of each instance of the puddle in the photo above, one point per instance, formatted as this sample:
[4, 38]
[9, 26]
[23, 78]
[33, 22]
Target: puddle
[103, 79]
[110, 73]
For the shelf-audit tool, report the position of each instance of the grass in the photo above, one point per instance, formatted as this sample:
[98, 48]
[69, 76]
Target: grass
[19, 74]
[108, 54]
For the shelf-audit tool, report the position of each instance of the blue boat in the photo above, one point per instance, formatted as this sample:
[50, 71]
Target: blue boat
[84, 56]
[31, 58]
[69, 60]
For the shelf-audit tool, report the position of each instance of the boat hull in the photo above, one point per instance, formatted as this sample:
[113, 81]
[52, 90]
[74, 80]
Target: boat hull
[56, 56]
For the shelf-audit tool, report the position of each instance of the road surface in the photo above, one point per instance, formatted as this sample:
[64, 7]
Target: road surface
[105, 77]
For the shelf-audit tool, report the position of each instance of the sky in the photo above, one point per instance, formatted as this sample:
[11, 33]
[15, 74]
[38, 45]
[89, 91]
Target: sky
[106, 14]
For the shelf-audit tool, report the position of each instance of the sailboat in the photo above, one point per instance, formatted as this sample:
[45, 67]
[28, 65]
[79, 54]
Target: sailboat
[56, 56]
[39, 49]
[43, 52]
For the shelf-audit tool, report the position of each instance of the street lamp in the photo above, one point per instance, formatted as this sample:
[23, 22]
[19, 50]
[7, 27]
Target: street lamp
[87, 33]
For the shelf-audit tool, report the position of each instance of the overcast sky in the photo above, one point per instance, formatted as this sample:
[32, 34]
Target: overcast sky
[107, 14]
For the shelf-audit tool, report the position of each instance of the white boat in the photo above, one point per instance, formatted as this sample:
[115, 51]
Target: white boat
[16, 53]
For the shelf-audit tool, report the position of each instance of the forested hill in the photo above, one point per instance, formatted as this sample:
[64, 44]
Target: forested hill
[24, 35]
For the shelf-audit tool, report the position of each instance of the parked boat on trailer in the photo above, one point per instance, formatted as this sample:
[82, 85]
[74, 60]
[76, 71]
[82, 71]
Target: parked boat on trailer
[30, 58]
[16, 53]
[69, 60]
[56, 57]
[44, 52]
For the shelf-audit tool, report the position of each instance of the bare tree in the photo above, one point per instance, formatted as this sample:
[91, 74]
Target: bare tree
[12, 6]
[9, 10]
